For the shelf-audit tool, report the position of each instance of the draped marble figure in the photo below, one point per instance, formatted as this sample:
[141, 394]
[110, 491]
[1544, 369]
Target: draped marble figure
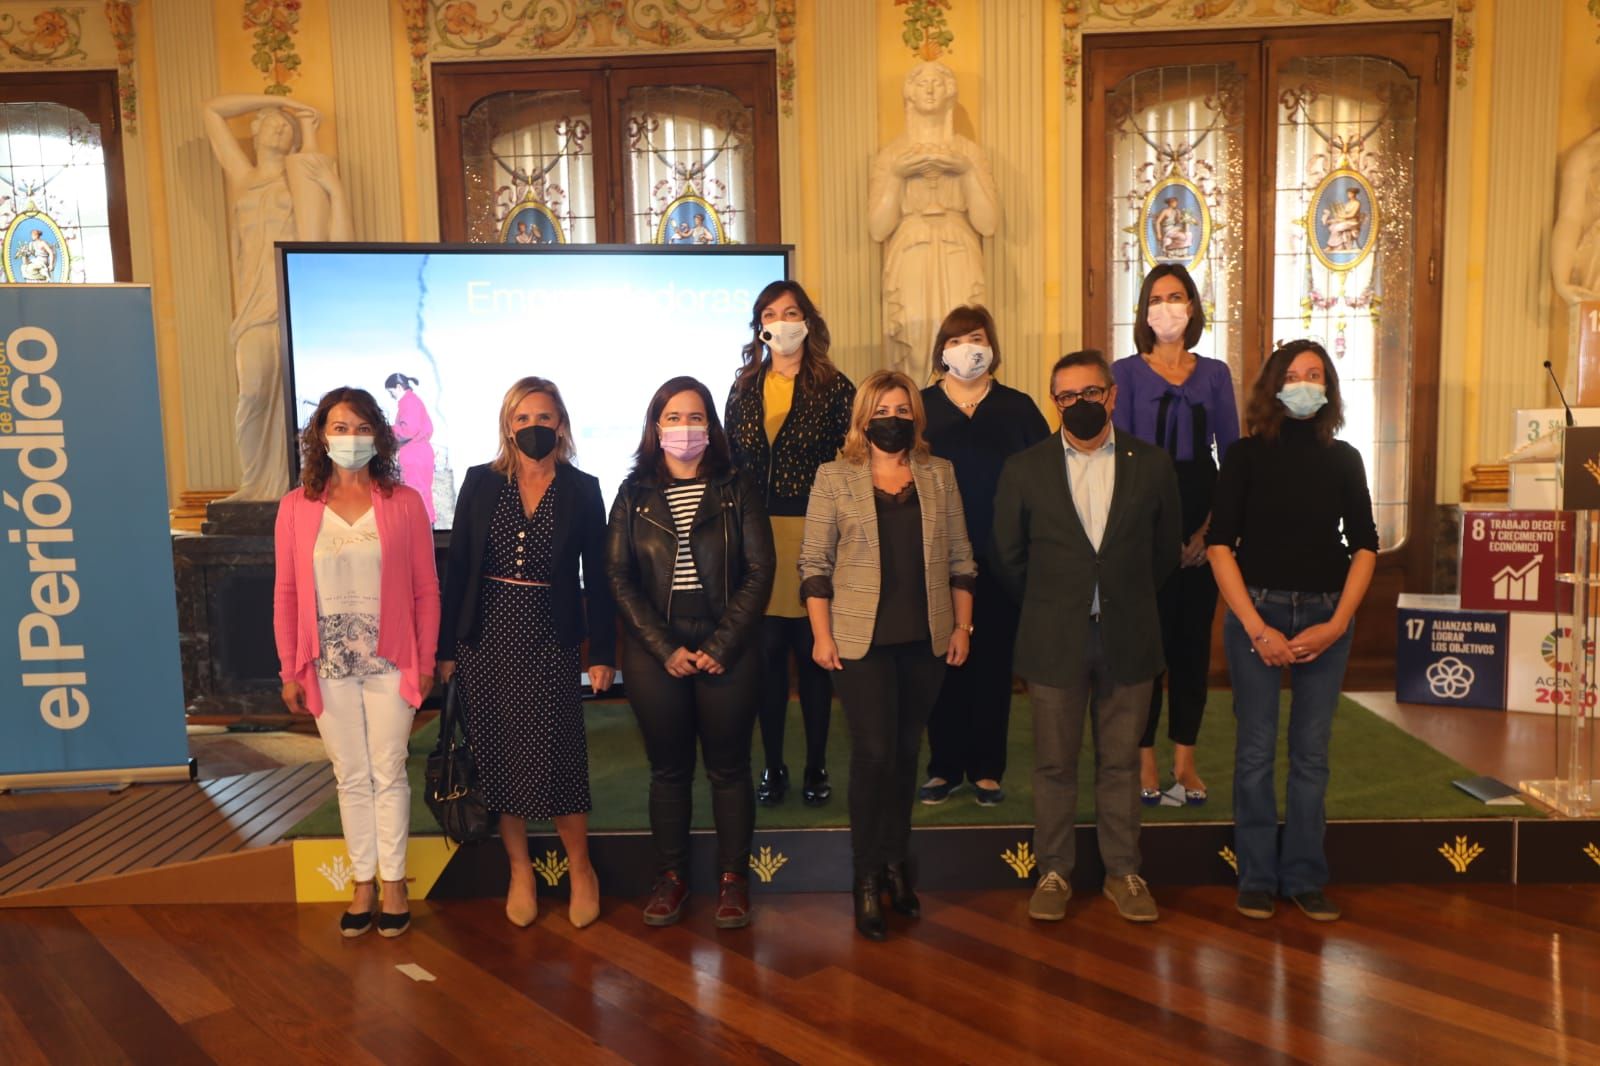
[1575, 240]
[931, 198]
[290, 191]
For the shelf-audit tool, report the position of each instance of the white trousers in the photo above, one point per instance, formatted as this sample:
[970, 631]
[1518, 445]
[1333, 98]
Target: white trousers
[365, 726]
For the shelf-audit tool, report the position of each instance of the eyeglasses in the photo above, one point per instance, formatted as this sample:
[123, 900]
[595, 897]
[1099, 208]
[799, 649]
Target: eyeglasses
[1170, 298]
[1094, 394]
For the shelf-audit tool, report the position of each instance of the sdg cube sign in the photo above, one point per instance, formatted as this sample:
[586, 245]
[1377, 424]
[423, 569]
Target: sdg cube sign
[1539, 670]
[1448, 656]
[1509, 561]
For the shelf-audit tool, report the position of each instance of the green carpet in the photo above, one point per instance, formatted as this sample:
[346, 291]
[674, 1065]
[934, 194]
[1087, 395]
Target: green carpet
[1379, 772]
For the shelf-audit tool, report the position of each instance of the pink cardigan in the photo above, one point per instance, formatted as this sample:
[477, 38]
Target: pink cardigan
[408, 598]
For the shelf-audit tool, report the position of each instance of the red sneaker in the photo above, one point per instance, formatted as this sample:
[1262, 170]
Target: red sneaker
[733, 901]
[666, 900]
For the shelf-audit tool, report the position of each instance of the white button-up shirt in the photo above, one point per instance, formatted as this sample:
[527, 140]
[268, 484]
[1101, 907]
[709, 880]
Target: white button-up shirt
[1092, 476]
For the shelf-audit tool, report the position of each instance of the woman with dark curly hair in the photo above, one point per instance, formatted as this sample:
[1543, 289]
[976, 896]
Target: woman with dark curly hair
[1293, 546]
[356, 614]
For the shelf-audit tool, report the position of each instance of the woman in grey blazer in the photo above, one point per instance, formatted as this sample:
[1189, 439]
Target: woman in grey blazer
[886, 574]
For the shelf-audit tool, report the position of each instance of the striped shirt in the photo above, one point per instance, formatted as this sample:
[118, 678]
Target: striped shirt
[684, 499]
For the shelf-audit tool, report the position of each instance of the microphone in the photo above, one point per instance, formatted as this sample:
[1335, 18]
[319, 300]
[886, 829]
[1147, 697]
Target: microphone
[1559, 396]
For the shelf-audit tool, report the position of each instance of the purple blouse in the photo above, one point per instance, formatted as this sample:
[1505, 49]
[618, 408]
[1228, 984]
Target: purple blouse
[1156, 411]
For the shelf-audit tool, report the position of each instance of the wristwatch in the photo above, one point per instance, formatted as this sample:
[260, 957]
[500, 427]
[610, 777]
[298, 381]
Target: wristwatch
[966, 626]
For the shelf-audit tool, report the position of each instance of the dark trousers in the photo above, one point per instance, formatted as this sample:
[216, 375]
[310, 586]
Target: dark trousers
[1115, 713]
[967, 730]
[672, 712]
[887, 695]
[1187, 602]
[781, 638]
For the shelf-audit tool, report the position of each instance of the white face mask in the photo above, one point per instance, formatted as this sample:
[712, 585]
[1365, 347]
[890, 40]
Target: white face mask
[784, 337]
[1168, 320]
[967, 361]
[352, 452]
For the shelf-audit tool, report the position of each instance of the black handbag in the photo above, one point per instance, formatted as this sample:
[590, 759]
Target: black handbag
[450, 782]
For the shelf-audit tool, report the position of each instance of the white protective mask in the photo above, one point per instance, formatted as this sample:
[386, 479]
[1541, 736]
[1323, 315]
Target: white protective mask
[352, 452]
[1168, 320]
[784, 337]
[967, 361]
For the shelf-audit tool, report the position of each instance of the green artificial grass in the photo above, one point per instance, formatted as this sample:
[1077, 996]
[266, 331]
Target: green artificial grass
[1379, 772]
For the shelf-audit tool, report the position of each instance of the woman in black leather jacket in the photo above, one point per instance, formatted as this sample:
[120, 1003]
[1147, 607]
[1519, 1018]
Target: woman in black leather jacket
[689, 554]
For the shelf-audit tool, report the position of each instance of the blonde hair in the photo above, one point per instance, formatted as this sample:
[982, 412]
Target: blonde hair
[868, 395]
[505, 460]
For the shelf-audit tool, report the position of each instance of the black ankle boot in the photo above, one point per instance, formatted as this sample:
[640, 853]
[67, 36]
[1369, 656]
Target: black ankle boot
[817, 790]
[897, 877]
[869, 907]
[774, 785]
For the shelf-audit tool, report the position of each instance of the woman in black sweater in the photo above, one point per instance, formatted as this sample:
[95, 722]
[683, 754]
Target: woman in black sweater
[1293, 546]
[976, 423]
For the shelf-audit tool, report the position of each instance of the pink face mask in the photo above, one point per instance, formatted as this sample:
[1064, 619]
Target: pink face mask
[684, 443]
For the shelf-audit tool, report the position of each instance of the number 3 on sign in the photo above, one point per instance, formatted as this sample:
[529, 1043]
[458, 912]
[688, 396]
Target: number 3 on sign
[1413, 628]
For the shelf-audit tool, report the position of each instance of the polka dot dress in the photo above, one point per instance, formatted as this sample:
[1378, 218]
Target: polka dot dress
[523, 709]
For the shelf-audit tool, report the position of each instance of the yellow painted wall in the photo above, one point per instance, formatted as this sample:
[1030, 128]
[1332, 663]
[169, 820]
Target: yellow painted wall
[895, 59]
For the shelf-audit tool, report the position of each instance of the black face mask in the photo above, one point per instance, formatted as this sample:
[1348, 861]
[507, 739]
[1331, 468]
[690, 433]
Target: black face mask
[536, 442]
[891, 434]
[1083, 419]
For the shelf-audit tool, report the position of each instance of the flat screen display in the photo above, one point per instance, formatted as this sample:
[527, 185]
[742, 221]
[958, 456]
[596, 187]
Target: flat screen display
[439, 333]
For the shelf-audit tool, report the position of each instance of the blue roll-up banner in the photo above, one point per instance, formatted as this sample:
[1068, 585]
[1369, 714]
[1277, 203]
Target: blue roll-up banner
[90, 680]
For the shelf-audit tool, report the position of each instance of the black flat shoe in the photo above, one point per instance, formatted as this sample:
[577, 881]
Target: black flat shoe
[774, 785]
[901, 897]
[392, 925]
[869, 907]
[353, 925]
[817, 791]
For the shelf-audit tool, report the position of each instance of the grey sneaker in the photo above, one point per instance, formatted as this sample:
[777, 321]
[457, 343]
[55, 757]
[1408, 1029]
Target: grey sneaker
[1132, 897]
[1050, 895]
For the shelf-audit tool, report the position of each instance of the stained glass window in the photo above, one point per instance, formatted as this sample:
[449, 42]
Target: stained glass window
[54, 203]
[689, 164]
[529, 168]
[1342, 262]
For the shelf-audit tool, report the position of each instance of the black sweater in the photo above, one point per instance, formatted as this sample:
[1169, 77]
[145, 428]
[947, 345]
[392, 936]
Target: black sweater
[1280, 504]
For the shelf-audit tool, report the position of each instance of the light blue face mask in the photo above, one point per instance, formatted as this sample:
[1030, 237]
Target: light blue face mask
[352, 452]
[1303, 398]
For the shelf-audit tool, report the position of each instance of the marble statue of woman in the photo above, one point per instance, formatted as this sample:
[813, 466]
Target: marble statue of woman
[932, 196]
[289, 192]
[1575, 241]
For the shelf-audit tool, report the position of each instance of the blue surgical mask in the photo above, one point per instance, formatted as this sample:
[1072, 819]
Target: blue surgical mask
[1303, 398]
[352, 452]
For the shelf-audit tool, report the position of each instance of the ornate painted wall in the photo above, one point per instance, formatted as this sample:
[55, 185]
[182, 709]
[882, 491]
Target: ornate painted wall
[367, 65]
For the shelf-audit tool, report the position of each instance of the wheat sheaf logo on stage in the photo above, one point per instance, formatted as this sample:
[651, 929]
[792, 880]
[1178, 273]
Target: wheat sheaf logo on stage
[1593, 853]
[1230, 858]
[1460, 854]
[766, 864]
[338, 871]
[552, 868]
[1022, 861]
[1593, 468]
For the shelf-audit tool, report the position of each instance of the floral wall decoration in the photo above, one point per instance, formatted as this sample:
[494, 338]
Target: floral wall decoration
[463, 29]
[1078, 16]
[119, 16]
[51, 36]
[275, 23]
[926, 32]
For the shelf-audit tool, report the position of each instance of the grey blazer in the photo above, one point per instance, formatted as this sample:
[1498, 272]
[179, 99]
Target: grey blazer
[839, 557]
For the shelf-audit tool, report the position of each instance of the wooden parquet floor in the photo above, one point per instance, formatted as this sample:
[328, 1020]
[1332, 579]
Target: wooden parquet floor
[1495, 975]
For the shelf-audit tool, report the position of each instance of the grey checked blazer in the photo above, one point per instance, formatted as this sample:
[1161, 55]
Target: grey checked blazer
[839, 557]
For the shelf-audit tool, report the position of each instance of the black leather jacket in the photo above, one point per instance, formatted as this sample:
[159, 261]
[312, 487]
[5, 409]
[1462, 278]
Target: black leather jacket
[731, 542]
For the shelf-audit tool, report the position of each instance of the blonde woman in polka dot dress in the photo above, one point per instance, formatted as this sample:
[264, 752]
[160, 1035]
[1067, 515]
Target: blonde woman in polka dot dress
[514, 618]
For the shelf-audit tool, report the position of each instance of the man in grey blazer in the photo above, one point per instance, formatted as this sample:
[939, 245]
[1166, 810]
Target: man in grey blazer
[1087, 525]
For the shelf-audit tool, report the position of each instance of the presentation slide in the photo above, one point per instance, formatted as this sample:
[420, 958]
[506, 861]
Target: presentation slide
[439, 334]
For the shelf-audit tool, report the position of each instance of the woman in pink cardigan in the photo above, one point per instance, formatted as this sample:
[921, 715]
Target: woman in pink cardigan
[356, 612]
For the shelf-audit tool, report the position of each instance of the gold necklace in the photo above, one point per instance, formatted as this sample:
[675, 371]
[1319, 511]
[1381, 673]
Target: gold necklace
[945, 388]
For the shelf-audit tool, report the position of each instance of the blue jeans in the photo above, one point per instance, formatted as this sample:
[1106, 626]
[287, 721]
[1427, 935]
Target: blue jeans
[1298, 865]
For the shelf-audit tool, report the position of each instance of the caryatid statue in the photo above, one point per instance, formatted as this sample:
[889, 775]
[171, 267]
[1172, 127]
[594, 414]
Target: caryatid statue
[1575, 241]
[932, 197]
[290, 191]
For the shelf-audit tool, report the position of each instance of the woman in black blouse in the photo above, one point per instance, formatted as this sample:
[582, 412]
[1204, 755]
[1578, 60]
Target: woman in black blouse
[1293, 546]
[976, 423]
[786, 415]
[690, 558]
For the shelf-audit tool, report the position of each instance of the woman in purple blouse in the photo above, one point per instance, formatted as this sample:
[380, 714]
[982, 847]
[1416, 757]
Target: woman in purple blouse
[1184, 403]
